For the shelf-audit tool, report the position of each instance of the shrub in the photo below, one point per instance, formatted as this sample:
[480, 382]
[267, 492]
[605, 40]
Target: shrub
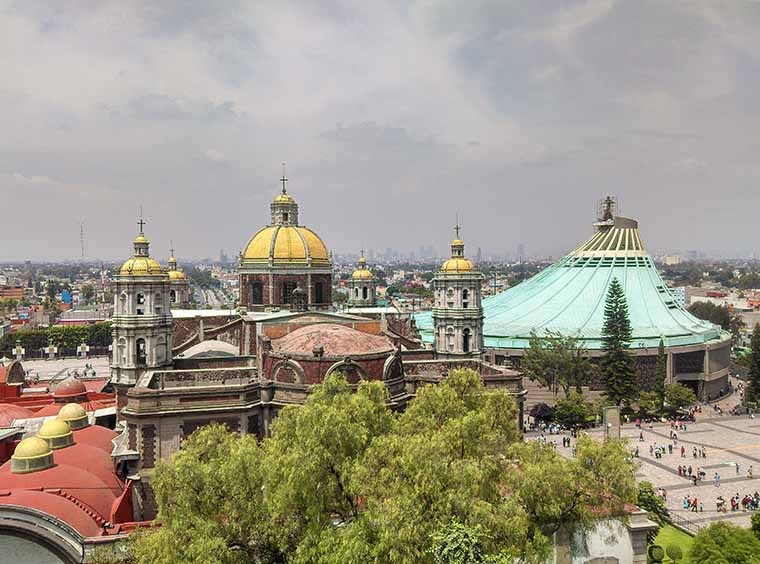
[674, 552]
[656, 553]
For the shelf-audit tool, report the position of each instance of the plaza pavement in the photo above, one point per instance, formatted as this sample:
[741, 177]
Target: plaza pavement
[728, 440]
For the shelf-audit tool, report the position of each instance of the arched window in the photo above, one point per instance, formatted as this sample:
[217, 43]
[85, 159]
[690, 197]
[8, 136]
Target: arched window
[160, 350]
[466, 340]
[140, 304]
[257, 293]
[465, 297]
[123, 302]
[173, 296]
[356, 293]
[141, 353]
[364, 292]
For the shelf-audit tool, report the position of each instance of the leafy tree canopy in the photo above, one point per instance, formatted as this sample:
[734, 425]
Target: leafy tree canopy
[724, 543]
[344, 480]
[678, 396]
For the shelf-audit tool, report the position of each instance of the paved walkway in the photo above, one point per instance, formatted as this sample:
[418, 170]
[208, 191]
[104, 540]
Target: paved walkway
[728, 441]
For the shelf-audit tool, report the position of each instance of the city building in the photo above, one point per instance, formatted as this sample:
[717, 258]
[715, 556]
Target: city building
[361, 286]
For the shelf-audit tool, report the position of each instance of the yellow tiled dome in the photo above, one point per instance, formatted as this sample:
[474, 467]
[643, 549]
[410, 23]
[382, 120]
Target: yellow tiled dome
[457, 265]
[72, 411]
[286, 244]
[141, 266]
[177, 275]
[33, 447]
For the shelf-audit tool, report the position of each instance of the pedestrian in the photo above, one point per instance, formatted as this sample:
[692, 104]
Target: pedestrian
[641, 436]
[670, 449]
[716, 479]
[737, 468]
[683, 452]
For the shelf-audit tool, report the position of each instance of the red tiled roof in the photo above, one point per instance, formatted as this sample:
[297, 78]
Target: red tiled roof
[96, 436]
[9, 412]
[81, 485]
[56, 505]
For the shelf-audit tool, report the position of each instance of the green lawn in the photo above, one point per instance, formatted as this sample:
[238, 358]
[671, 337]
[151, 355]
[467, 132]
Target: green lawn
[670, 535]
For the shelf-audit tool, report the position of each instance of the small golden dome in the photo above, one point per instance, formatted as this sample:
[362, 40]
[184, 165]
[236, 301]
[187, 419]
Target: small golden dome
[177, 275]
[75, 415]
[72, 411]
[457, 242]
[284, 199]
[54, 428]
[140, 239]
[141, 266]
[457, 265]
[362, 274]
[33, 447]
[286, 244]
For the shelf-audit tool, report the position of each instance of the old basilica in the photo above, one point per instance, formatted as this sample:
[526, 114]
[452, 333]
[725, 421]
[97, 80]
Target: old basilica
[175, 370]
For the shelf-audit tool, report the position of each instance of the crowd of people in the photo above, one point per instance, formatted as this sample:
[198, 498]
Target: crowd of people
[748, 502]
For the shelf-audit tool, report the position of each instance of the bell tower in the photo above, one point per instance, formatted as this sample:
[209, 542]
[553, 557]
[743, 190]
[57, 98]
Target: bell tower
[457, 309]
[361, 286]
[142, 320]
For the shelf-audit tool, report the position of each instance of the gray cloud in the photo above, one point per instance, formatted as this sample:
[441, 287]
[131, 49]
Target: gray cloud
[392, 117]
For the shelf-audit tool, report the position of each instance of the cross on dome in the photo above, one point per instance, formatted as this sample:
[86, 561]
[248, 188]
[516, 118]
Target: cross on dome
[284, 179]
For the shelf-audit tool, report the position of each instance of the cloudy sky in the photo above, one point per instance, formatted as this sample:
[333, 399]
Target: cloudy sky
[392, 117]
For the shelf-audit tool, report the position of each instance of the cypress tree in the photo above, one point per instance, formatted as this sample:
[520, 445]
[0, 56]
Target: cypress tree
[752, 393]
[618, 371]
[660, 374]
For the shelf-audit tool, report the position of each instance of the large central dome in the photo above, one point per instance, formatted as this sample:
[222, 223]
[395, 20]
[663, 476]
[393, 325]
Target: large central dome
[286, 244]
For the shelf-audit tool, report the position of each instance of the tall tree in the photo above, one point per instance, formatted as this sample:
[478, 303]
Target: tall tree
[660, 374]
[724, 543]
[557, 361]
[618, 370]
[753, 384]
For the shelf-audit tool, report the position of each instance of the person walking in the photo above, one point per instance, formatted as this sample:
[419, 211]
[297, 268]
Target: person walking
[716, 480]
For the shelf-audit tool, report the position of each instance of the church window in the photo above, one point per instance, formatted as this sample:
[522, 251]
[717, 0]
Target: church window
[141, 354]
[173, 296]
[257, 293]
[285, 217]
[465, 297]
[122, 352]
[364, 293]
[466, 340]
[319, 293]
[157, 303]
[140, 304]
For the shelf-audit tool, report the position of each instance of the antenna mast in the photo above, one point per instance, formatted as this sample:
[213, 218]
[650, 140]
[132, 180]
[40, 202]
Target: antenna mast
[81, 238]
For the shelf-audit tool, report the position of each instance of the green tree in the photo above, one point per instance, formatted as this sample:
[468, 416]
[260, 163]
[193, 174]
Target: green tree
[343, 480]
[618, 370]
[660, 374]
[724, 543]
[649, 403]
[720, 315]
[647, 499]
[458, 544]
[752, 393]
[572, 410]
[756, 524]
[678, 396]
[557, 361]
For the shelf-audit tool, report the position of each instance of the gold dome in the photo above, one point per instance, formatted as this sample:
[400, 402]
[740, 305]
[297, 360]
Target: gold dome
[57, 433]
[71, 411]
[362, 274]
[284, 199]
[140, 239]
[286, 244]
[177, 275]
[457, 265]
[33, 447]
[141, 266]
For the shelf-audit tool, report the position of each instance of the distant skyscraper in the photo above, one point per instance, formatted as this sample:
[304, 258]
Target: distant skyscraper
[520, 251]
[479, 256]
